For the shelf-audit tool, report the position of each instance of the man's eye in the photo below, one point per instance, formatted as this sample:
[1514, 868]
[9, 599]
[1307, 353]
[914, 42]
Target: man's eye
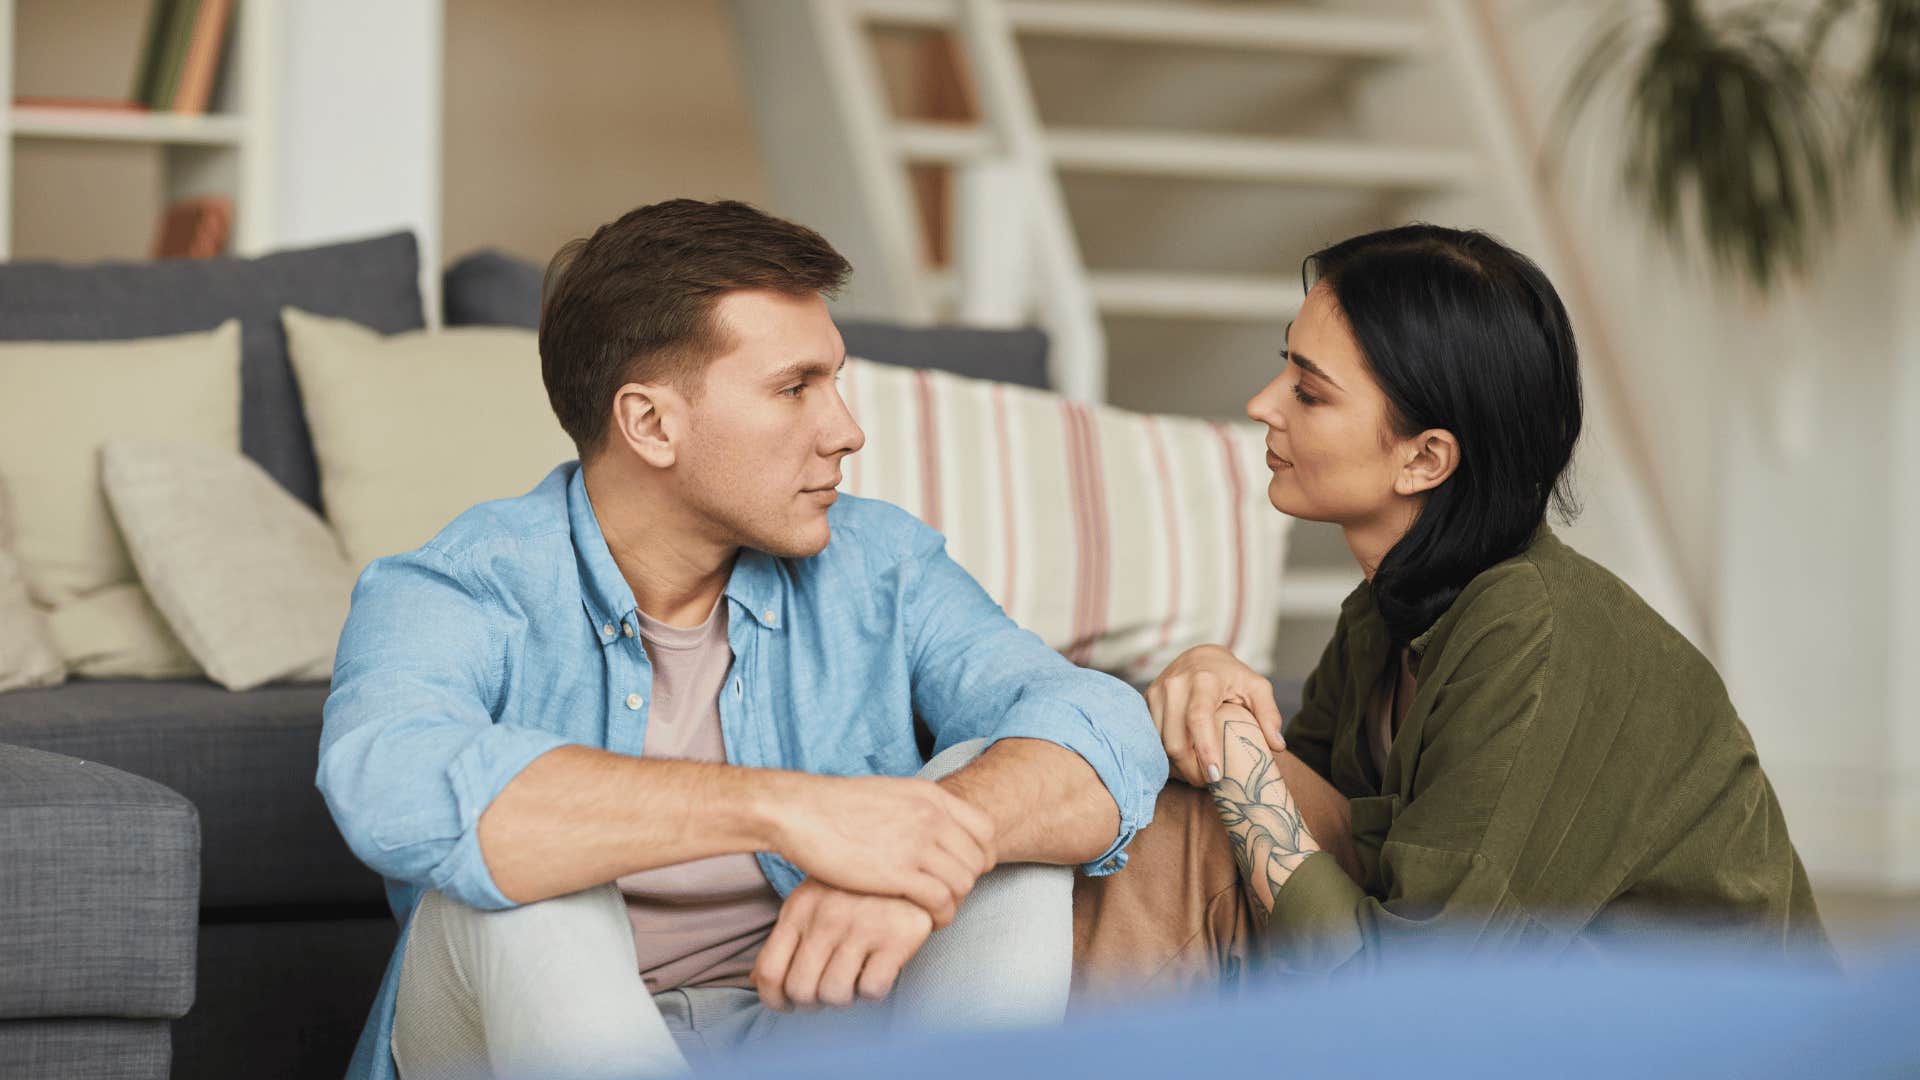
[795, 390]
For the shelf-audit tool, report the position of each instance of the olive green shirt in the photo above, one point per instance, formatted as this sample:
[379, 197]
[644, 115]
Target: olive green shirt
[1570, 777]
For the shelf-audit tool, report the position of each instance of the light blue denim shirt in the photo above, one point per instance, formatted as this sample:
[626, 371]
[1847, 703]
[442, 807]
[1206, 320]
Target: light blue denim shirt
[506, 636]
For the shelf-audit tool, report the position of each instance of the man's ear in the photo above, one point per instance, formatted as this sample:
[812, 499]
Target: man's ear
[1432, 457]
[648, 419]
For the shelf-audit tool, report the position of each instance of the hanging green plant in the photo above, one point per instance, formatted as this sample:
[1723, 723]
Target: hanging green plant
[1730, 140]
[1725, 135]
[1888, 92]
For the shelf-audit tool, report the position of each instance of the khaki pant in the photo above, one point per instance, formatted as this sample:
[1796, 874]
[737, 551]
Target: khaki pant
[1174, 921]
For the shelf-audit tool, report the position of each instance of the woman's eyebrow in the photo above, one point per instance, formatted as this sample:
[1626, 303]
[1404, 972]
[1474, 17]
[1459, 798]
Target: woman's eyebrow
[1312, 368]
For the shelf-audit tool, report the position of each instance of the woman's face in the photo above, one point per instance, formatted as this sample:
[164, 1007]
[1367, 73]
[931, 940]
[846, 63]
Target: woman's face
[1333, 454]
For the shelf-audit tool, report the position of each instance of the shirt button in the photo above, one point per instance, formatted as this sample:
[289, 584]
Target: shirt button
[772, 618]
[607, 630]
[634, 701]
[626, 628]
[1110, 864]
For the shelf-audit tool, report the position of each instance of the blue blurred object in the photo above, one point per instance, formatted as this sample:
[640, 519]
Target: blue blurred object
[1692, 1018]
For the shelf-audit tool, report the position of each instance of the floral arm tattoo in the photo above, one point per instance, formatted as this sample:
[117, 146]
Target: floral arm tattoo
[1270, 839]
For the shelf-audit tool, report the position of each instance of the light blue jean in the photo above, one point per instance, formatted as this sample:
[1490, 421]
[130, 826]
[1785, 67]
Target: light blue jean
[551, 990]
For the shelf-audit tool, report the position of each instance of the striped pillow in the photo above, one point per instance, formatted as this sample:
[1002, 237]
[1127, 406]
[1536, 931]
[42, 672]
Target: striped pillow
[1120, 538]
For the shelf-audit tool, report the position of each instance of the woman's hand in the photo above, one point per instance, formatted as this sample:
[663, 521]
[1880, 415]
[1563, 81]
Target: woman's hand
[1185, 698]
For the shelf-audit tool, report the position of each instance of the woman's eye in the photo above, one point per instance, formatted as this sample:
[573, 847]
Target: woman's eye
[1303, 397]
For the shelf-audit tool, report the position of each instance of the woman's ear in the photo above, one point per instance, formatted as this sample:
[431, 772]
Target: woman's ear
[646, 418]
[1432, 457]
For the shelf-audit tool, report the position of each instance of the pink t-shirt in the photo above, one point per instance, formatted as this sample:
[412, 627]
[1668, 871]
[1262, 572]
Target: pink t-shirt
[699, 923]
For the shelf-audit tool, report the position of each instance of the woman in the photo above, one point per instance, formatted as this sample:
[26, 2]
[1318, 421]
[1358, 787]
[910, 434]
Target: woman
[1502, 746]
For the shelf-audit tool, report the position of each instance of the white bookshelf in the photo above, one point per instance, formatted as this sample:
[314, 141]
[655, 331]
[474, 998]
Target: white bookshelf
[228, 151]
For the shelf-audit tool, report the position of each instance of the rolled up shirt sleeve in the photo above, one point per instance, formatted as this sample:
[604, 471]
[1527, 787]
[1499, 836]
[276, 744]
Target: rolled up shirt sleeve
[978, 675]
[410, 755]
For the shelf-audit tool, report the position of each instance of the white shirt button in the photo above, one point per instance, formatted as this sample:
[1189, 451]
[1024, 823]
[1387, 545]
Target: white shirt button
[634, 701]
[607, 630]
[626, 628]
[771, 618]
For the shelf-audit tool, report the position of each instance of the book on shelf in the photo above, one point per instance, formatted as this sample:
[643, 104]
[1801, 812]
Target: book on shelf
[180, 62]
[194, 228]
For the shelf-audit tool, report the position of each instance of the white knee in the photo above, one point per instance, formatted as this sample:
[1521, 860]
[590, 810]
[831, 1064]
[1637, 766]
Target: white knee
[952, 759]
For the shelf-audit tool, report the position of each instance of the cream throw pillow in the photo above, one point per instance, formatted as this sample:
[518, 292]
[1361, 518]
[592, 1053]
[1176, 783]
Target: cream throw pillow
[248, 576]
[413, 429]
[62, 400]
[27, 655]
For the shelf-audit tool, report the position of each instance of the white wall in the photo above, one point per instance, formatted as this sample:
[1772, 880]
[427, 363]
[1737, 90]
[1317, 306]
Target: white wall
[1786, 432]
[359, 125]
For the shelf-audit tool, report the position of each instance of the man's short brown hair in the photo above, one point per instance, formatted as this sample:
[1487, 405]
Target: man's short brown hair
[634, 301]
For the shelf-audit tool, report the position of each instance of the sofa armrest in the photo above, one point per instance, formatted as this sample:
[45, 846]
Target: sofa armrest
[99, 891]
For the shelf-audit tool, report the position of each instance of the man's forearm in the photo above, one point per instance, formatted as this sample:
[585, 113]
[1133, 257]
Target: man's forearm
[578, 817]
[1046, 802]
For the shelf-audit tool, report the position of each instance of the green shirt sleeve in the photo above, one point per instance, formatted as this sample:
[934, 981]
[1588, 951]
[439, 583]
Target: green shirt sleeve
[1444, 884]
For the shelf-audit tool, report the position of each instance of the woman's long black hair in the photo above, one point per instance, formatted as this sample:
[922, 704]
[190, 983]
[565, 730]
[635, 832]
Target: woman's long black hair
[1466, 334]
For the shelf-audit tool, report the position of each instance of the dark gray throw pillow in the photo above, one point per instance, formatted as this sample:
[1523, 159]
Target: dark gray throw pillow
[373, 282]
[490, 288]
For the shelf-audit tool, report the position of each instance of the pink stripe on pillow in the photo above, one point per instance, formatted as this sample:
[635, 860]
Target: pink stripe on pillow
[1170, 514]
[1004, 447]
[1090, 532]
[929, 450]
[1234, 491]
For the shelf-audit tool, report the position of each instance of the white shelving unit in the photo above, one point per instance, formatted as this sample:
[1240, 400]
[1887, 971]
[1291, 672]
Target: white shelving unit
[228, 151]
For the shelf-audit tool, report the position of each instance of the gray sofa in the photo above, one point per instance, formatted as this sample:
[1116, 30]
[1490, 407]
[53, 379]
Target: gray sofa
[99, 885]
[293, 932]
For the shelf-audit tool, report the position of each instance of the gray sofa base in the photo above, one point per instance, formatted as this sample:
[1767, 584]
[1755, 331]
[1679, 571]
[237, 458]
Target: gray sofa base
[284, 998]
[97, 1049]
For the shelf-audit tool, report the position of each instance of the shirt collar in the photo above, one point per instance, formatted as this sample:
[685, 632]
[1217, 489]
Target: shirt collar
[754, 584]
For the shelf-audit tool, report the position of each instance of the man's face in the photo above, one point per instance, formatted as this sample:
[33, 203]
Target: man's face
[767, 429]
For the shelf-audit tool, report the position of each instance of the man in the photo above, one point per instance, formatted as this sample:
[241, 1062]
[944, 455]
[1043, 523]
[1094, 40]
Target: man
[636, 752]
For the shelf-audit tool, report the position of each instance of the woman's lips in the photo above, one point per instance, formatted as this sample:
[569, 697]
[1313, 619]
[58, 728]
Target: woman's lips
[1276, 462]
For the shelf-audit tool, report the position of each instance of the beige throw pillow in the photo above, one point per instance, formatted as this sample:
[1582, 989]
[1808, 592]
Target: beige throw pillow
[117, 633]
[413, 429]
[61, 401]
[248, 577]
[27, 655]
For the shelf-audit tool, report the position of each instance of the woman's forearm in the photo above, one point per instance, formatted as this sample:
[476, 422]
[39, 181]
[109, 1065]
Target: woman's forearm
[1328, 814]
[1270, 837]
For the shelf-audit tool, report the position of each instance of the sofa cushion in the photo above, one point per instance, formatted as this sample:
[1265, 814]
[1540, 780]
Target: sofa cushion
[27, 655]
[245, 760]
[491, 288]
[248, 576]
[1009, 356]
[100, 891]
[373, 282]
[413, 429]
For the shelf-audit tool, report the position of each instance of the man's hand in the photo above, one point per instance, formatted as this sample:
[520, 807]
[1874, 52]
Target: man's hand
[889, 838]
[1183, 701]
[831, 946]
